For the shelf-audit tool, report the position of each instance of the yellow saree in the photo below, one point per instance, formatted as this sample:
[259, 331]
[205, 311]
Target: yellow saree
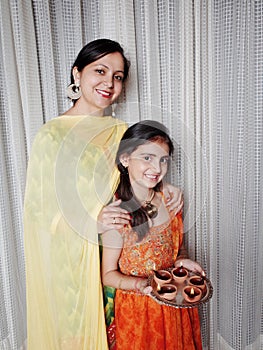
[71, 175]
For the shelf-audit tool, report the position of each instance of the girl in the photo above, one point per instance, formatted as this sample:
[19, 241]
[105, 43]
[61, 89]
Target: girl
[152, 240]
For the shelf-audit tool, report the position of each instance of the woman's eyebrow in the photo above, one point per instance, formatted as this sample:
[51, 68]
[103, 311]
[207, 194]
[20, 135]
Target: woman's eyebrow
[105, 66]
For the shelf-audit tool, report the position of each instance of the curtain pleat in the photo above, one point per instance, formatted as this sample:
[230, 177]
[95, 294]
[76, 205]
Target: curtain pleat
[238, 124]
[196, 66]
[20, 116]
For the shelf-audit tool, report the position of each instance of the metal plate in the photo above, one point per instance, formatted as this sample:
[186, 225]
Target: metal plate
[179, 301]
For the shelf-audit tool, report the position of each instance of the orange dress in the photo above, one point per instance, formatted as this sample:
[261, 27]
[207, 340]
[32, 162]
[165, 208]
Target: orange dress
[142, 323]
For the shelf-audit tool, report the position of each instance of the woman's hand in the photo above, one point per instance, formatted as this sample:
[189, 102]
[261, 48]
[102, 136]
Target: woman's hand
[112, 217]
[173, 197]
[190, 265]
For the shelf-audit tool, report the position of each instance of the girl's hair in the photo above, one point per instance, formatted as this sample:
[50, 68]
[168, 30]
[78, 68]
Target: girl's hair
[97, 49]
[135, 136]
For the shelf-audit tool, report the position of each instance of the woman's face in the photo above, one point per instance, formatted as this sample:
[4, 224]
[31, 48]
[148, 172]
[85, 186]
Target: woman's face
[101, 82]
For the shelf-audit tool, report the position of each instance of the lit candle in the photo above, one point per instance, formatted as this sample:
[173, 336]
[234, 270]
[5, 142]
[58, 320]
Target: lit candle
[180, 273]
[192, 294]
[181, 269]
[168, 291]
[162, 276]
[198, 281]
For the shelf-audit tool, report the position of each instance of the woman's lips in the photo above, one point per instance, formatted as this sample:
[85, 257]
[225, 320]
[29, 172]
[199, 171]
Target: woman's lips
[103, 93]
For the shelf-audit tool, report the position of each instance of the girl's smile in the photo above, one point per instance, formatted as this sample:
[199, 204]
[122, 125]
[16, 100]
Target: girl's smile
[147, 166]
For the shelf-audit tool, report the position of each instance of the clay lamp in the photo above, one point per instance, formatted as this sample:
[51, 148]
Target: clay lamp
[180, 274]
[197, 281]
[162, 276]
[167, 291]
[192, 294]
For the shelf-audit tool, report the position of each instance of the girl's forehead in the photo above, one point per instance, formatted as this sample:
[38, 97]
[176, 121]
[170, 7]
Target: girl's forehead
[153, 147]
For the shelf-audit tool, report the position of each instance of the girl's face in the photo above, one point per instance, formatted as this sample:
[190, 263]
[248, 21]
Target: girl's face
[101, 82]
[148, 164]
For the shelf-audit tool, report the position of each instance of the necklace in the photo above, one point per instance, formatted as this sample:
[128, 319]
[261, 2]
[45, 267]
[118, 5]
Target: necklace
[151, 209]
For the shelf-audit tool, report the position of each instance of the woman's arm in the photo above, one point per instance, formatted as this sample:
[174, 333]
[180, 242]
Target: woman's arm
[113, 217]
[111, 276]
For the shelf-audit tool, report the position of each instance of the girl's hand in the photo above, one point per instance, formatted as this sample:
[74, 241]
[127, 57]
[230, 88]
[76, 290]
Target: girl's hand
[173, 197]
[141, 285]
[112, 217]
[190, 265]
[147, 290]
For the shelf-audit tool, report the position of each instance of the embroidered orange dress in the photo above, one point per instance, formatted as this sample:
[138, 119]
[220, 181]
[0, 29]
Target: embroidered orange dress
[142, 323]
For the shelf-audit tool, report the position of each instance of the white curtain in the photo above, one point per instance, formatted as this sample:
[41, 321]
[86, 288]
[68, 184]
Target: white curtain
[197, 66]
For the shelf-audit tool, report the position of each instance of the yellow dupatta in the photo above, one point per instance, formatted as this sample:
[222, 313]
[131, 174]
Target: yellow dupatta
[71, 175]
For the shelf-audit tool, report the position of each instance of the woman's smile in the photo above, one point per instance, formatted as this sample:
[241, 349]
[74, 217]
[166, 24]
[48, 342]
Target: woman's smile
[101, 83]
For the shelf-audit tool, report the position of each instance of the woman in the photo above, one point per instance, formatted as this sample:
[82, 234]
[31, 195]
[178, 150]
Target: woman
[71, 176]
[153, 240]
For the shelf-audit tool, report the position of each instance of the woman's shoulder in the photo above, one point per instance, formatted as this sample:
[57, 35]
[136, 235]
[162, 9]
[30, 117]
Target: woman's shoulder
[56, 127]
[50, 135]
[50, 125]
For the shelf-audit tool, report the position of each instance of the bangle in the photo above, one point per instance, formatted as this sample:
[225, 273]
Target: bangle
[137, 289]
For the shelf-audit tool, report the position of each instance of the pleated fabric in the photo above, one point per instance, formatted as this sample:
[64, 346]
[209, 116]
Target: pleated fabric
[149, 325]
[141, 322]
[71, 175]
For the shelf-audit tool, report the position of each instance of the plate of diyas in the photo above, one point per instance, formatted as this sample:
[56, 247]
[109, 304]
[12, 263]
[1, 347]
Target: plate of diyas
[180, 287]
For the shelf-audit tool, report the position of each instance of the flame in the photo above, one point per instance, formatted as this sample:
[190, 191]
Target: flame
[192, 291]
[158, 287]
[181, 264]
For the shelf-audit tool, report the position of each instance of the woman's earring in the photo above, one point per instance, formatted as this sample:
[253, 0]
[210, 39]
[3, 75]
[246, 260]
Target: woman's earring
[74, 91]
[113, 106]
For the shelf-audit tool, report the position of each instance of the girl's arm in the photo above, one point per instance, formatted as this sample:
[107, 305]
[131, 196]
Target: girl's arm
[111, 276]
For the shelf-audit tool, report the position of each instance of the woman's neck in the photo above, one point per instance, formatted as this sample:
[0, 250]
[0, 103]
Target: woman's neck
[78, 109]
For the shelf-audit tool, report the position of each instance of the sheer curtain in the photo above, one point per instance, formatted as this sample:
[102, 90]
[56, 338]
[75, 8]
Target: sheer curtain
[197, 66]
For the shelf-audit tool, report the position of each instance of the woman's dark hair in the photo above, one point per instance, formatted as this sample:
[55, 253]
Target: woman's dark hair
[135, 136]
[97, 49]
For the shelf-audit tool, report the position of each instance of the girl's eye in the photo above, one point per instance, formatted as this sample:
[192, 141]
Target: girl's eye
[118, 77]
[100, 71]
[147, 158]
[164, 160]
